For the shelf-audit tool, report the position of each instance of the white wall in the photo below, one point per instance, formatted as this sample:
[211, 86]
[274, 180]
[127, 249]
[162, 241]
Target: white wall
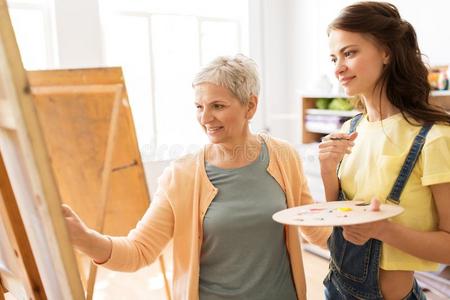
[272, 30]
[78, 33]
[429, 18]
[287, 39]
[268, 35]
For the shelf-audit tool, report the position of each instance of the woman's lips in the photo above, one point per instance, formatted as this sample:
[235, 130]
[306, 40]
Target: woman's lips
[346, 80]
[213, 130]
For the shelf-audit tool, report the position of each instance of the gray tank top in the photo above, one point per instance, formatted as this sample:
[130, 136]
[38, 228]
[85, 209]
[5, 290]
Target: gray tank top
[243, 253]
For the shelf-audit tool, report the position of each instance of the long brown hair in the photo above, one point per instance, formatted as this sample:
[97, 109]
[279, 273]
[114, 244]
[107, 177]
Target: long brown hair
[405, 75]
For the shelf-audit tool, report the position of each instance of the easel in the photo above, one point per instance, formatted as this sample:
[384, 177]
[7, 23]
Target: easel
[31, 160]
[26, 161]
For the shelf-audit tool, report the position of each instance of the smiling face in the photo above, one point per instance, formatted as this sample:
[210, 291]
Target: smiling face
[358, 61]
[223, 117]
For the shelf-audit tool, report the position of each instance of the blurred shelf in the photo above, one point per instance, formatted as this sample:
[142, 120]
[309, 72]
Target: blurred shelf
[440, 93]
[320, 129]
[329, 112]
[310, 134]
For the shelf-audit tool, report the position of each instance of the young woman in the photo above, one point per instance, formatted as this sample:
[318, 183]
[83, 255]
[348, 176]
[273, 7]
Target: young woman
[399, 155]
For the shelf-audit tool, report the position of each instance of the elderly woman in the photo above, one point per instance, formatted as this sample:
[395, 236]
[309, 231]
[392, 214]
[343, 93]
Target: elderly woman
[217, 204]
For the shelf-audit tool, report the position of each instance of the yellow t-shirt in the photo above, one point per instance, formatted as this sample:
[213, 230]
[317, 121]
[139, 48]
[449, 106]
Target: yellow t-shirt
[374, 164]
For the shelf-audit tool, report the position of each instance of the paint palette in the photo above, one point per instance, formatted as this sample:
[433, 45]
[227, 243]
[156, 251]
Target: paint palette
[335, 213]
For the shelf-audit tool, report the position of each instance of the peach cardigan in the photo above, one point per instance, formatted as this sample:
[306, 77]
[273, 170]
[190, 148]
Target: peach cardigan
[179, 206]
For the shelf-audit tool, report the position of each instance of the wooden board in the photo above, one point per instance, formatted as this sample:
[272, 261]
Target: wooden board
[32, 181]
[89, 132]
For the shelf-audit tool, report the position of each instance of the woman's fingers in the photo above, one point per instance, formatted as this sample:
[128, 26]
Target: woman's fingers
[375, 204]
[333, 148]
[67, 211]
[336, 143]
[72, 219]
[341, 147]
[354, 237]
[353, 136]
[69, 214]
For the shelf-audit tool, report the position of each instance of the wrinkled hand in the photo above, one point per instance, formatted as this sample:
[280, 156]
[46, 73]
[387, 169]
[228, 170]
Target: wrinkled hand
[78, 231]
[333, 148]
[360, 234]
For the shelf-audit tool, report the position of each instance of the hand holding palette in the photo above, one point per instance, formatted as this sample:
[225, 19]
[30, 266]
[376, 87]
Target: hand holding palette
[336, 213]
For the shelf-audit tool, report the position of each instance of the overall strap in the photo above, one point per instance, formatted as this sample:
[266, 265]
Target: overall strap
[354, 122]
[408, 165]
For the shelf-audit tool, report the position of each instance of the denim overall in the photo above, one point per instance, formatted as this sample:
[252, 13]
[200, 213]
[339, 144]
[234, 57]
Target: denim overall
[354, 269]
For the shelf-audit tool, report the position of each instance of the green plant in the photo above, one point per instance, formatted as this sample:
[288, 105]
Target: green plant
[340, 104]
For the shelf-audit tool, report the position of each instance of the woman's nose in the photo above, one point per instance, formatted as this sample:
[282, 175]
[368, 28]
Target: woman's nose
[205, 116]
[339, 67]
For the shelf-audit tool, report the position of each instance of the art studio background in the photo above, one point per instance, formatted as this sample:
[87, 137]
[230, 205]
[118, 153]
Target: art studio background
[161, 43]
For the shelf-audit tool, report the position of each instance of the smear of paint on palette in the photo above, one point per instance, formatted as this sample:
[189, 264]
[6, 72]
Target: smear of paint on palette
[344, 209]
[316, 209]
[311, 211]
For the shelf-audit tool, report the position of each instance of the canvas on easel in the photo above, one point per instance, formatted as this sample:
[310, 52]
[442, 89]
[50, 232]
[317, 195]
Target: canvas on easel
[32, 181]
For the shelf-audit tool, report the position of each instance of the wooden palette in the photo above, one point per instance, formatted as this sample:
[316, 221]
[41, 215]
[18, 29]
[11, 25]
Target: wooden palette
[335, 213]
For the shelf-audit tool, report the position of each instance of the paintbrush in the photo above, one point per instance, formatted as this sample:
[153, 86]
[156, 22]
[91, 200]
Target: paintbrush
[327, 138]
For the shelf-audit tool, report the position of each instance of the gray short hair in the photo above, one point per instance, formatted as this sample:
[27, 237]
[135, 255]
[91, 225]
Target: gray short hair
[239, 74]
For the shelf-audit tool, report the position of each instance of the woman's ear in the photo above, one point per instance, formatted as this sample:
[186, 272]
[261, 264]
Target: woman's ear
[386, 56]
[251, 107]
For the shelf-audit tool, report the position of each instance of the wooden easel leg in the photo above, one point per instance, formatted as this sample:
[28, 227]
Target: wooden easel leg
[91, 282]
[104, 188]
[2, 291]
[166, 281]
[81, 268]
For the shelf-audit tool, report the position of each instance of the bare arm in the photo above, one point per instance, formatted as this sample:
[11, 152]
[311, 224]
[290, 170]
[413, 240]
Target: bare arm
[330, 184]
[331, 153]
[432, 246]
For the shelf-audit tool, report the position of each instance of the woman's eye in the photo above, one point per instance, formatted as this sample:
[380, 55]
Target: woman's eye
[218, 106]
[333, 60]
[349, 53]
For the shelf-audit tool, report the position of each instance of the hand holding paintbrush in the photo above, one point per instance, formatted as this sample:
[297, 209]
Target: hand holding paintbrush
[333, 148]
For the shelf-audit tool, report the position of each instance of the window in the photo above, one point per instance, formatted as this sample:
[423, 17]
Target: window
[160, 45]
[31, 23]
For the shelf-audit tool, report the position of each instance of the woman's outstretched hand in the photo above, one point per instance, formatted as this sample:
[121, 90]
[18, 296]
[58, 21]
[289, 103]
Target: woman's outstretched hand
[95, 245]
[78, 231]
